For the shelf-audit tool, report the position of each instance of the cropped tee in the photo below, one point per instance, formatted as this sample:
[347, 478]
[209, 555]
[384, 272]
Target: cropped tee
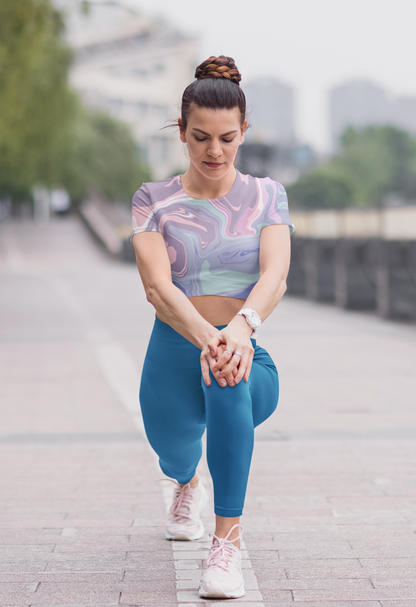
[213, 244]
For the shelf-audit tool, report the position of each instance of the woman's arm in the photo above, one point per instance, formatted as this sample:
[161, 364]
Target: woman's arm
[171, 305]
[274, 268]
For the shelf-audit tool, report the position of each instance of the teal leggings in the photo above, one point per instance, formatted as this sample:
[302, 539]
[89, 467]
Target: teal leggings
[177, 406]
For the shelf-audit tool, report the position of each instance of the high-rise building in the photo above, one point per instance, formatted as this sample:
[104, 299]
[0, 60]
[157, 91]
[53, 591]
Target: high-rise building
[402, 113]
[270, 107]
[360, 104]
[270, 147]
[136, 68]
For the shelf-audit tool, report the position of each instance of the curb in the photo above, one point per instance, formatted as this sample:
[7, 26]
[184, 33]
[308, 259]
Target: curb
[115, 238]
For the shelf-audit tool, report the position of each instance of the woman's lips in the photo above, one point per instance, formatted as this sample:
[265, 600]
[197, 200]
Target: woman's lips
[213, 165]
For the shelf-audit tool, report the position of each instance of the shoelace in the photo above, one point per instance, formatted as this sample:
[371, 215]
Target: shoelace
[222, 556]
[182, 500]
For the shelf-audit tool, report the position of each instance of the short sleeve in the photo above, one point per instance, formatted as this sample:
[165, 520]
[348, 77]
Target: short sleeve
[143, 214]
[277, 208]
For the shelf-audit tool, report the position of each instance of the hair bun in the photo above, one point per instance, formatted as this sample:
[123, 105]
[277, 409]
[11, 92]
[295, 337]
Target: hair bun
[218, 67]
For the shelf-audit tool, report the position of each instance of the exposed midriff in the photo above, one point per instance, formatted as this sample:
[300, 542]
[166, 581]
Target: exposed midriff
[216, 309]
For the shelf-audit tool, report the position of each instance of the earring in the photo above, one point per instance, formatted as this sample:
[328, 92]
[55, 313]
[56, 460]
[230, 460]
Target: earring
[241, 143]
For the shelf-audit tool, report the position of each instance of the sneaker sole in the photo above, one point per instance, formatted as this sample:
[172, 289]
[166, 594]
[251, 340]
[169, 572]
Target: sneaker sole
[184, 537]
[218, 593]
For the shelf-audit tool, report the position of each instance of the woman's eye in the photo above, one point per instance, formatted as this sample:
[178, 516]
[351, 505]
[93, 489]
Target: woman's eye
[204, 139]
[228, 140]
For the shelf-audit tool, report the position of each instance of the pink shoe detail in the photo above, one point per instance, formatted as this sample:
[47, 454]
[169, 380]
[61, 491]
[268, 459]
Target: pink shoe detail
[222, 577]
[184, 521]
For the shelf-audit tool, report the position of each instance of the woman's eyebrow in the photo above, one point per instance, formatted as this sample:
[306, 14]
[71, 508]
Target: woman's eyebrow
[208, 135]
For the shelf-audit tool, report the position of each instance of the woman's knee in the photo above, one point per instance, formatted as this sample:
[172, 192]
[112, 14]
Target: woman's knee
[264, 384]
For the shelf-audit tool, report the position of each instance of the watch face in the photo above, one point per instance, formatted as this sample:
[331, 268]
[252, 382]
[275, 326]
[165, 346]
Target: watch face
[253, 318]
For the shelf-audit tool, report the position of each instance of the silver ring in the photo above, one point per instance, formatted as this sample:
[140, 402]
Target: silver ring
[238, 354]
[229, 351]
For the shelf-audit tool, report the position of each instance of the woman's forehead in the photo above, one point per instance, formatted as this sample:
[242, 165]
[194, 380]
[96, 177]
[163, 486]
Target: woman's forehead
[214, 119]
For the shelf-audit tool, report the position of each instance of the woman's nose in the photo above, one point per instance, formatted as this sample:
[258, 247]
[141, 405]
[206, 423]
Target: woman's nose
[214, 149]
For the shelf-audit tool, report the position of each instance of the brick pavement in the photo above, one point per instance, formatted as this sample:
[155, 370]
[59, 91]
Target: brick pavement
[330, 515]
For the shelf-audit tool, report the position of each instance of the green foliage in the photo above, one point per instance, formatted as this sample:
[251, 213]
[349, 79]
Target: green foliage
[380, 161]
[373, 163]
[46, 136]
[318, 190]
[100, 153]
[36, 102]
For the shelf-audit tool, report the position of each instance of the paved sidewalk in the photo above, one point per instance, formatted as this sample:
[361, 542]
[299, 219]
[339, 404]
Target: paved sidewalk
[330, 516]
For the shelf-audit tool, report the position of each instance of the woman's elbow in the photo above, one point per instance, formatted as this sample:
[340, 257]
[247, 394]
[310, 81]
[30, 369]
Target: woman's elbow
[280, 290]
[151, 294]
[156, 292]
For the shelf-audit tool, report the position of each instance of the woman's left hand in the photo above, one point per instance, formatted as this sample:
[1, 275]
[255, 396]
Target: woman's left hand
[233, 350]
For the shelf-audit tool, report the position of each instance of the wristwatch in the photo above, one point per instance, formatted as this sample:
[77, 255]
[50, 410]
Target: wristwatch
[252, 319]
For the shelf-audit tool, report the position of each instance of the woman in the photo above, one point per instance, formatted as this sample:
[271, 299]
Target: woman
[213, 249]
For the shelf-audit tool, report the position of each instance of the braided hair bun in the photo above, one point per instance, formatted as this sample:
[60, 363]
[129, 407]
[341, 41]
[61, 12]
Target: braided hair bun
[218, 67]
[214, 89]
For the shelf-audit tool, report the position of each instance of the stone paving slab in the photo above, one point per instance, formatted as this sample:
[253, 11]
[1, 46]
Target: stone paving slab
[330, 516]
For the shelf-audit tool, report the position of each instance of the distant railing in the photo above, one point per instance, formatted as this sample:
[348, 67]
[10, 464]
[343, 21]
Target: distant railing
[357, 259]
[390, 224]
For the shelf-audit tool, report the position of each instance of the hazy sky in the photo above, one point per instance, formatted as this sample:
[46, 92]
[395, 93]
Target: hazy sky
[309, 44]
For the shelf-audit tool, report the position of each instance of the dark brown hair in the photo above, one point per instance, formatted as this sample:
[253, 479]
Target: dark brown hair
[216, 87]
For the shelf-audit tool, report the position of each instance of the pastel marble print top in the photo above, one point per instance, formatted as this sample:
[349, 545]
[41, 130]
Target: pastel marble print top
[213, 245]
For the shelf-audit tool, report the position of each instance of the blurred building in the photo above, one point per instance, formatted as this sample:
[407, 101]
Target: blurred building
[402, 113]
[270, 107]
[136, 68]
[270, 147]
[284, 163]
[360, 104]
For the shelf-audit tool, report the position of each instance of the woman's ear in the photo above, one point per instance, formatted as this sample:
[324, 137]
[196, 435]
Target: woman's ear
[181, 133]
[243, 130]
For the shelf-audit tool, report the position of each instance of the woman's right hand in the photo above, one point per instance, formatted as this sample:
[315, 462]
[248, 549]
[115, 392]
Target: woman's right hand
[208, 362]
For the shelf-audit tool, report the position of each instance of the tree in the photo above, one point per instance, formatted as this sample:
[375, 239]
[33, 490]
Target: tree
[46, 136]
[318, 190]
[380, 161]
[36, 103]
[373, 164]
[99, 153]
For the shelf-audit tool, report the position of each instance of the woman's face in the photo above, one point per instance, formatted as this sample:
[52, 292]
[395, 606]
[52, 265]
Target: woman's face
[213, 137]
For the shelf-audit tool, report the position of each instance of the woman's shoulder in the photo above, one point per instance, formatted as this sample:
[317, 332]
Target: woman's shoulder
[151, 192]
[265, 184]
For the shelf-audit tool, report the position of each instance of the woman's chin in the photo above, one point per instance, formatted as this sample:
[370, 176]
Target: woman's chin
[213, 174]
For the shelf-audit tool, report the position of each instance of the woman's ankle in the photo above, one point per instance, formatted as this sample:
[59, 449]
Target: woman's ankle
[193, 482]
[223, 526]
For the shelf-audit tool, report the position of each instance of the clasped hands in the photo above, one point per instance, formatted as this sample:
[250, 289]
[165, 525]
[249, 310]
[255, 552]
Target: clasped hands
[228, 355]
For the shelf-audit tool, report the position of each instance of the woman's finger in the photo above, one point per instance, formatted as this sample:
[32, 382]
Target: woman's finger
[225, 357]
[244, 365]
[248, 368]
[213, 344]
[205, 370]
[221, 380]
[232, 363]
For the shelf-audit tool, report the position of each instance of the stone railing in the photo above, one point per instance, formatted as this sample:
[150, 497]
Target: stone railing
[357, 258]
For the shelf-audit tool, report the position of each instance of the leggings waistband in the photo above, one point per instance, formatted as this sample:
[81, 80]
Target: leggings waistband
[170, 349]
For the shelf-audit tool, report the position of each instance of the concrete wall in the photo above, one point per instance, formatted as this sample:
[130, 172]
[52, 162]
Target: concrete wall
[357, 259]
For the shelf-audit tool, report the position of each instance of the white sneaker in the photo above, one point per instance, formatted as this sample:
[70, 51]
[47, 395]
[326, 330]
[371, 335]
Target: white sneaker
[222, 577]
[184, 522]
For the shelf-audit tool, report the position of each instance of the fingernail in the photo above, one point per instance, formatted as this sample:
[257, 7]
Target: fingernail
[231, 383]
[222, 375]
[212, 352]
[223, 383]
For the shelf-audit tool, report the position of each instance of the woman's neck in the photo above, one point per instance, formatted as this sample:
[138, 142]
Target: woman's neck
[197, 185]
